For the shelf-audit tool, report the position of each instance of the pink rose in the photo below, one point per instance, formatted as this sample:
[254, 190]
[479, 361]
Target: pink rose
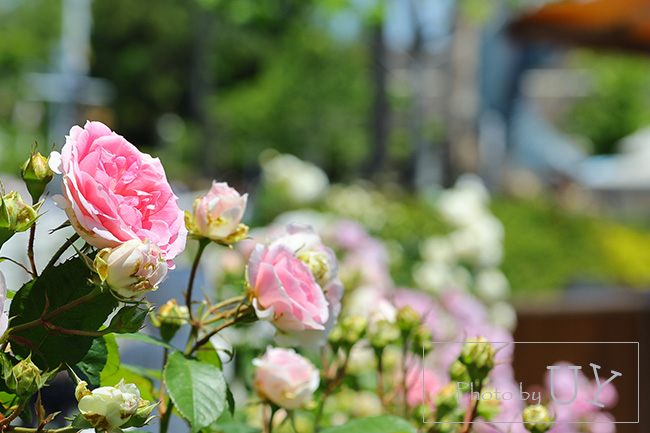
[4, 319]
[422, 382]
[321, 261]
[285, 378]
[218, 213]
[285, 293]
[113, 193]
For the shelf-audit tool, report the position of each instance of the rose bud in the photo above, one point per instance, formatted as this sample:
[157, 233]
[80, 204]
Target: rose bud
[25, 378]
[284, 292]
[37, 174]
[109, 407]
[285, 378]
[407, 320]
[15, 215]
[169, 318]
[217, 215]
[478, 355]
[537, 419]
[132, 269]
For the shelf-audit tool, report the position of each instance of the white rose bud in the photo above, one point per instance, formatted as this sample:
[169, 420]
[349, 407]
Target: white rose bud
[109, 407]
[133, 268]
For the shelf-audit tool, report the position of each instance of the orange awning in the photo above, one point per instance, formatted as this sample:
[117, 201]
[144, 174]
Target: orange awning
[619, 24]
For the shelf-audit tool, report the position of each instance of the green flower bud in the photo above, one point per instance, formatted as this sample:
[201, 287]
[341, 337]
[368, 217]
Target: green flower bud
[25, 378]
[488, 408]
[478, 356]
[407, 319]
[336, 337]
[446, 400]
[422, 412]
[170, 318]
[37, 174]
[15, 215]
[537, 419]
[383, 334]
[354, 328]
[142, 415]
[420, 338]
[458, 372]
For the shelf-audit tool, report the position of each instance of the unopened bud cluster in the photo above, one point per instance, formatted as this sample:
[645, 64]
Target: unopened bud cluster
[537, 419]
[478, 356]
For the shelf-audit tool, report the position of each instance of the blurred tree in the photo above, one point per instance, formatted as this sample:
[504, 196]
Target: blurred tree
[29, 33]
[619, 104]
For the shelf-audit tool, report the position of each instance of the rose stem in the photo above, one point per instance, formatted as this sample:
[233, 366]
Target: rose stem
[30, 249]
[61, 250]
[404, 354]
[188, 296]
[332, 384]
[470, 414]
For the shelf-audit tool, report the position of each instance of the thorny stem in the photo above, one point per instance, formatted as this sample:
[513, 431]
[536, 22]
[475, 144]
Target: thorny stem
[14, 414]
[30, 250]
[214, 332]
[470, 414]
[19, 264]
[332, 384]
[52, 327]
[188, 296]
[61, 250]
[225, 315]
[222, 304]
[68, 429]
[164, 422]
[70, 305]
[380, 375]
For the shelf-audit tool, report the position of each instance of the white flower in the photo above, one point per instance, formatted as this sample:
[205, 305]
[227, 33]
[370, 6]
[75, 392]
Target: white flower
[437, 249]
[491, 285]
[480, 243]
[133, 268]
[109, 407]
[503, 314]
[302, 181]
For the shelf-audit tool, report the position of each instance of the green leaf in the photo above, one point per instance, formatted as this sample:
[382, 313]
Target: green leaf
[81, 423]
[56, 287]
[91, 366]
[230, 399]
[8, 400]
[236, 427]
[147, 339]
[144, 384]
[129, 319]
[198, 390]
[207, 353]
[113, 358]
[377, 424]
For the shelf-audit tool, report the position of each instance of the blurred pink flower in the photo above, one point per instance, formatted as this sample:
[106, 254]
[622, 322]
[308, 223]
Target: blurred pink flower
[423, 382]
[285, 378]
[285, 293]
[113, 193]
[321, 261]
